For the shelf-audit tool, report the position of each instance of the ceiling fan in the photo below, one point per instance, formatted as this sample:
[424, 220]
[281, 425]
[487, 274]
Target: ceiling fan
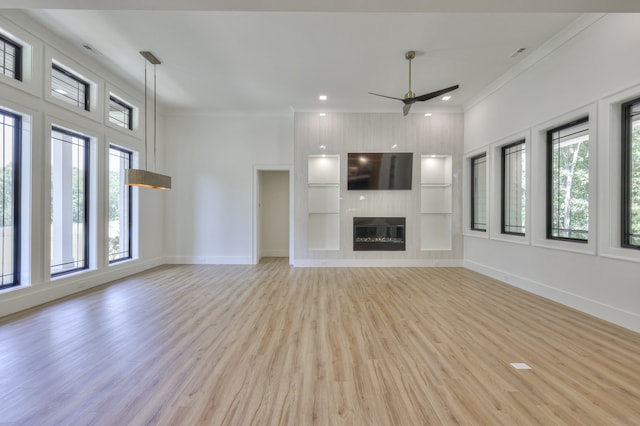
[410, 98]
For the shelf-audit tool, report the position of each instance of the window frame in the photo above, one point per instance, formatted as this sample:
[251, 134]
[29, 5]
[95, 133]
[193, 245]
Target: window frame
[17, 63]
[17, 199]
[87, 198]
[473, 165]
[626, 168]
[129, 208]
[503, 182]
[129, 108]
[549, 180]
[87, 86]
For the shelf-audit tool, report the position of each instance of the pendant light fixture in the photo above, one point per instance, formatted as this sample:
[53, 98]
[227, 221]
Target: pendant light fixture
[144, 177]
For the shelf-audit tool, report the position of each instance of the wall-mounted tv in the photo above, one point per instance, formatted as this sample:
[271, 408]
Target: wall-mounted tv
[379, 170]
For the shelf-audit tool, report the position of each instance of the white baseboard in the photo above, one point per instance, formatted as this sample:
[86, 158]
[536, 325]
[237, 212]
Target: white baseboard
[209, 260]
[377, 263]
[21, 298]
[275, 253]
[603, 311]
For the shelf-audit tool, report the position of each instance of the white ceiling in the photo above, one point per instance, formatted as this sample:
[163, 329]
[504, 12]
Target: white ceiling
[230, 60]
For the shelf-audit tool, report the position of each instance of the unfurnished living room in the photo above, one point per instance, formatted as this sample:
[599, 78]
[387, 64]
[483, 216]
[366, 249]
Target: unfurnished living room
[334, 213]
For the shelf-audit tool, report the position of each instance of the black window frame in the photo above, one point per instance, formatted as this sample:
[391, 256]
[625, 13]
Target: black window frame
[87, 197]
[17, 170]
[17, 59]
[626, 158]
[503, 188]
[549, 183]
[474, 163]
[129, 189]
[87, 86]
[129, 108]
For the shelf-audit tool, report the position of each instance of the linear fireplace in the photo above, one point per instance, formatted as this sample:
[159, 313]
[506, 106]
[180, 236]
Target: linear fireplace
[379, 233]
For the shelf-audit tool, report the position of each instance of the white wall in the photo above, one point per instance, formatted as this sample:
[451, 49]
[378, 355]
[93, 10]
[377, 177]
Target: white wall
[592, 72]
[32, 99]
[209, 209]
[274, 213]
[341, 133]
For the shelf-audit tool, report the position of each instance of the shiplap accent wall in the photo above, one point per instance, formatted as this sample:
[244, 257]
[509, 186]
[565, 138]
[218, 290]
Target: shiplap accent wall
[341, 133]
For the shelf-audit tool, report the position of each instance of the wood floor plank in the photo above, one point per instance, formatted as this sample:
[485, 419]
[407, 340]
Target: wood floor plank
[273, 345]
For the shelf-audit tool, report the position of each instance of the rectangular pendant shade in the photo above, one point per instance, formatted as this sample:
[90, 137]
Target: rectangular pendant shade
[146, 179]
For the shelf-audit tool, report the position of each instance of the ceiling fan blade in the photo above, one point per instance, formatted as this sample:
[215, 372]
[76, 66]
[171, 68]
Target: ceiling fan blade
[384, 96]
[435, 94]
[406, 108]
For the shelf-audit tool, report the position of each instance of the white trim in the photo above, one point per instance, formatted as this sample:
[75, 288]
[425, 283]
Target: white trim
[538, 190]
[466, 192]
[208, 260]
[137, 111]
[603, 311]
[257, 168]
[378, 263]
[31, 58]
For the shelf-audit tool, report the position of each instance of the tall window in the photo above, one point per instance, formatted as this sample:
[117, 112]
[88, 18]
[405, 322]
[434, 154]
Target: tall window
[514, 160]
[479, 193]
[69, 202]
[568, 182]
[10, 58]
[120, 113]
[10, 187]
[69, 87]
[119, 205]
[631, 174]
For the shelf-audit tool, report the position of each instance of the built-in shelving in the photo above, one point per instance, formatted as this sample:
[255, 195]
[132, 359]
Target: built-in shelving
[436, 202]
[323, 202]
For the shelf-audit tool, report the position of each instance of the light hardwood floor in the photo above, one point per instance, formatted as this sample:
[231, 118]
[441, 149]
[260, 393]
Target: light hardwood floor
[275, 345]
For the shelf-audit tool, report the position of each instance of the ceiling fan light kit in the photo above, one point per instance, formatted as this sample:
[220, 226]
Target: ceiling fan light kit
[410, 97]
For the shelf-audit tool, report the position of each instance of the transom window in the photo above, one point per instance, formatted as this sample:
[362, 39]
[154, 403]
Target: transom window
[631, 174]
[69, 202]
[10, 58]
[120, 113]
[479, 193]
[69, 87]
[568, 182]
[10, 205]
[514, 188]
[119, 205]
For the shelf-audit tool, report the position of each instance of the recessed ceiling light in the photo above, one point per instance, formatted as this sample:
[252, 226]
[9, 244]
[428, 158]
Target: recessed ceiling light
[323, 114]
[446, 97]
[428, 114]
[322, 97]
[394, 146]
[323, 147]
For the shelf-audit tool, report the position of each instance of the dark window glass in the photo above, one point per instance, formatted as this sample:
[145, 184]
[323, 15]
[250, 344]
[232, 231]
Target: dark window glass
[69, 88]
[10, 58]
[514, 160]
[10, 205]
[479, 193]
[120, 113]
[568, 182]
[69, 202]
[119, 205]
[631, 175]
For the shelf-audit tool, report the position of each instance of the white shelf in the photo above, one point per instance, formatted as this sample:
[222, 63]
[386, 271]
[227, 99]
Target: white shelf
[323, 192]
[324, 169]
[436, 206]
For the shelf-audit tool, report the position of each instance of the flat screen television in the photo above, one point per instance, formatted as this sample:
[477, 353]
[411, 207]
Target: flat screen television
[379, 170]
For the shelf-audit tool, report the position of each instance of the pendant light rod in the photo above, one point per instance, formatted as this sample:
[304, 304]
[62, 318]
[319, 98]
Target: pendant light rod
[146, 178]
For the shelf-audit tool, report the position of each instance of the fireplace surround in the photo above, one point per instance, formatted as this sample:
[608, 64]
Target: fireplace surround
[379, 233]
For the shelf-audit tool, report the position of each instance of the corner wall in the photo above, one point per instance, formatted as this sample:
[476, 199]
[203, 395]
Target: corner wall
[596, 70]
